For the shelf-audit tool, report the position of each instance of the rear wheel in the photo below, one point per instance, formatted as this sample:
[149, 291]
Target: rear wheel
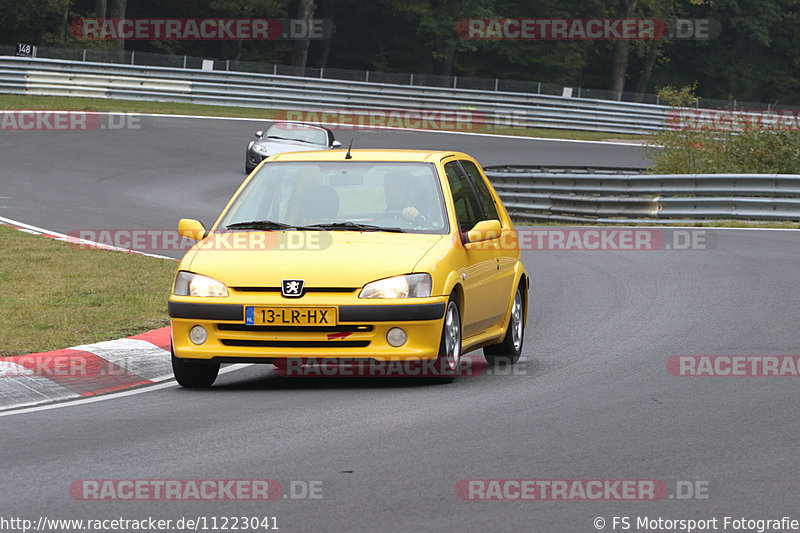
[508, 351]
[450, 344]
[194, 374]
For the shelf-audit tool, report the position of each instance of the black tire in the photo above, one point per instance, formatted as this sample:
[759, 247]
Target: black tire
[194, 374]
[508, 351]
[247, 168]
[449, 358]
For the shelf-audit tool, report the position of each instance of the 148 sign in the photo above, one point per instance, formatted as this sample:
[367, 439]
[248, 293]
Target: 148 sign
[26, 50]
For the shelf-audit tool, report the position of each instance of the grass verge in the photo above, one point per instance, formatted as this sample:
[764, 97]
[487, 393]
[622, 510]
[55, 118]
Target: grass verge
[68, 103]
[56, 295]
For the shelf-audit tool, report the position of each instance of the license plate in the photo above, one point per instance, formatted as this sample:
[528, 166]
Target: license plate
[290, 316]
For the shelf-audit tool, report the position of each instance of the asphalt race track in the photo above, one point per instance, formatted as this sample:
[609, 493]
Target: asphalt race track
[590, 399]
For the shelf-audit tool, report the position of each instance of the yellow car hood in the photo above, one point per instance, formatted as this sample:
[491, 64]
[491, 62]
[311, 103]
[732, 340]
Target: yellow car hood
[342, 258]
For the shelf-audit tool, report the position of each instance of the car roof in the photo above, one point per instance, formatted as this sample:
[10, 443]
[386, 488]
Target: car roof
[365, 154]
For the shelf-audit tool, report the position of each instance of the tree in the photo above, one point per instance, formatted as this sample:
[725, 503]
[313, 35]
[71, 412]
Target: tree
[620, 68]
[117, 11]
[305, 12]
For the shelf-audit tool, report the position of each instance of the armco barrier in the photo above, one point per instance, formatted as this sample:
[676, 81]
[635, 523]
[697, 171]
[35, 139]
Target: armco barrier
[77, 78]
[622, 196]
[293, 88]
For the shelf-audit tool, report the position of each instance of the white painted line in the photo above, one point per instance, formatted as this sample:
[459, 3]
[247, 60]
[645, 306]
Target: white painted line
[61, 237]
[111, 396]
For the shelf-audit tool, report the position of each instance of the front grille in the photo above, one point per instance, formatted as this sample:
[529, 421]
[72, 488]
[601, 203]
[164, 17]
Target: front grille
[322, 329]
[305, 289]
[295, 344]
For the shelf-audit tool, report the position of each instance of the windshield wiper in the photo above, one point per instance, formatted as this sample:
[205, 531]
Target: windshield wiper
[263, 224]
[356, 227]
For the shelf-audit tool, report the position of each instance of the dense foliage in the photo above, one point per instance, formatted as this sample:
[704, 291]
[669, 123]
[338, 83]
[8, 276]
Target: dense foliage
[756, 57]
[731, 141]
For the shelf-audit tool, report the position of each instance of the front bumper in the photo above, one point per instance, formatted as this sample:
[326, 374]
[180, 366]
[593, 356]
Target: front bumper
[360, 332]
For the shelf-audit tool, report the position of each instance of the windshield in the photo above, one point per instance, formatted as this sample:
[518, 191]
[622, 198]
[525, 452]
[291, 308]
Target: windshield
[340, 195]
[299, 133]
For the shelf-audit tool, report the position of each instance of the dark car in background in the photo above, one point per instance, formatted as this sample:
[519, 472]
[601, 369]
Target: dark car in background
[287, 137]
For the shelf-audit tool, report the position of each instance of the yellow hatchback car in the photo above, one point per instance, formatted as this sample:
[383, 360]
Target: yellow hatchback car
[366, 255]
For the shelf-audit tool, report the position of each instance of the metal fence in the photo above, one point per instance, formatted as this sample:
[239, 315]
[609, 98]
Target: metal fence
[397, 78]
[473, 109]
[477, 109]
[623, 196]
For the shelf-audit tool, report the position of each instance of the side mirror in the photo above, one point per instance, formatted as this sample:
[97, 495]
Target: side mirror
[191, 229]
[335, 144]
[485, 230]
[259, 133]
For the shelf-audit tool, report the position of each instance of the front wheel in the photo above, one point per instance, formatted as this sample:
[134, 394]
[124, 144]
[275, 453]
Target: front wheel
[194, 375]
[450, 344]
[508, 351]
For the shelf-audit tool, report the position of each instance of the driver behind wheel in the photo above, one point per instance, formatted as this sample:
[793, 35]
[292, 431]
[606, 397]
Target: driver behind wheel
[402, 195]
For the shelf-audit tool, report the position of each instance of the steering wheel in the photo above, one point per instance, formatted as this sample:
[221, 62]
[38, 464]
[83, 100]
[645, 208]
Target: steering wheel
[392, 213]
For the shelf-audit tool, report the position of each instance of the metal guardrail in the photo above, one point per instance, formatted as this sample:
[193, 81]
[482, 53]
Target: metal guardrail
[398, 78]
[480, 108]
[624, 196]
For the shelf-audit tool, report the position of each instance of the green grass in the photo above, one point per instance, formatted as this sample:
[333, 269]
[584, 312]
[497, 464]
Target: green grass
[56, 295]
[12, 101]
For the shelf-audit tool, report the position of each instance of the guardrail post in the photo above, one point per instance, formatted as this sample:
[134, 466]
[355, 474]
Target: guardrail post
[496, 84]
[227, 64]
[133, 54]
[321, 70]
[84, 54]
[366, 76]
[412, 79]
[455, 81]
[184, 61]
[275, 69]
[539, 89]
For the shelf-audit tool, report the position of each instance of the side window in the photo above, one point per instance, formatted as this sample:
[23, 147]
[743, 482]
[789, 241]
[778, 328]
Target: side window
[468, 208]
[483, 190]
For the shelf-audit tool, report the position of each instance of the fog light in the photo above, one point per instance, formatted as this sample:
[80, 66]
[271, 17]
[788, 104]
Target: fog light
[396, 337]
[198, 335]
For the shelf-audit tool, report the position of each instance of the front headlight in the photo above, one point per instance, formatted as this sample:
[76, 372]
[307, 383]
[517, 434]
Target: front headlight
[408, 286]
[188, 284]
[260, 149]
